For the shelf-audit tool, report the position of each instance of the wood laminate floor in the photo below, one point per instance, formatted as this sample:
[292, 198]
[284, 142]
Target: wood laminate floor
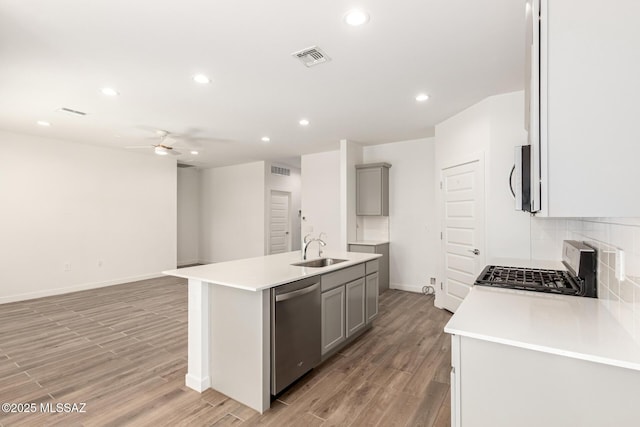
[122, 350]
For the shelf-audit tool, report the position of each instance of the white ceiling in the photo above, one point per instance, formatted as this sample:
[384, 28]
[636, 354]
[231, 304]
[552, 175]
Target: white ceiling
[60, 53]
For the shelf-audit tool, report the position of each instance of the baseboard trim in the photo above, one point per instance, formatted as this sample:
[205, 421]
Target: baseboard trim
[196, 383]
[408, 288]
[76, 288]
[188, 262]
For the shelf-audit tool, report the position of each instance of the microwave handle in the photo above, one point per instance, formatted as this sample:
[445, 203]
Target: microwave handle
[513, 169]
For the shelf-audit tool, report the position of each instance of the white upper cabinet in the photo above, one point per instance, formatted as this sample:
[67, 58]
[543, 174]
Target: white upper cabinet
[589, 108]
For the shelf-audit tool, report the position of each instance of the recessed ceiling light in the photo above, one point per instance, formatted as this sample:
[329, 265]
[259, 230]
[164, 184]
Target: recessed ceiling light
[304, 122]
[43, 123]
[422, 97]
[356, 17]
[265, 139]
[201, 78]
[194, 152]
[109, 91]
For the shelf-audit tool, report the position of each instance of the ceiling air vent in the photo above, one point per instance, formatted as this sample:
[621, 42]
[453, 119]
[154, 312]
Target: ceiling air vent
[184, 165]
[71, 111]
[311, 56]
[276, 170]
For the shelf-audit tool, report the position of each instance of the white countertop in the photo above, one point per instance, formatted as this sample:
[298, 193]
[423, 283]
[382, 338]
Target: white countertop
[257, 274]
[578, 327]
[369, 242]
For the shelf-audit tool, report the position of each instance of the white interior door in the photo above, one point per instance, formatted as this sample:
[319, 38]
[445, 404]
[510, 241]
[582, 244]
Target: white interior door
[279, 222]
[462, 230]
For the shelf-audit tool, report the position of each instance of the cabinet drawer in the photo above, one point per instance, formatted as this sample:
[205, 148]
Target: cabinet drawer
[331, 280]
[372, 266]
[365, 249]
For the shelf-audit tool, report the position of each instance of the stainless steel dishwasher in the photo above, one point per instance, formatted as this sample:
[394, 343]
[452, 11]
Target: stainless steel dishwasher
[295, 331]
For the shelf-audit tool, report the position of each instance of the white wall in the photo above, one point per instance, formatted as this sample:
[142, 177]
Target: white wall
[413, 230]
[291, 184]
[490, 129]
[188, 216]
[321, 209]
[350, 155]
[110, 215]
[232, 212]
[508, 230]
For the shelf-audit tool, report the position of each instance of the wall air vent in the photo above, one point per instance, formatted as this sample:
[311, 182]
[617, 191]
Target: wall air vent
[311, 56]
[184, 165]
[71, 111]
[276, 170]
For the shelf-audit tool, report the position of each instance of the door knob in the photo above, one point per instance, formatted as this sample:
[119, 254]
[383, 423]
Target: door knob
[475, 251]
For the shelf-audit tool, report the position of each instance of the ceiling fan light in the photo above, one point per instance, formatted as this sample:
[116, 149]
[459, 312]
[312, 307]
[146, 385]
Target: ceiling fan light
[161, 151]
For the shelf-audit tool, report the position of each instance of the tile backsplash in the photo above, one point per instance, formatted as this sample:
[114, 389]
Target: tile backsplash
[609, 236]
[372, 228]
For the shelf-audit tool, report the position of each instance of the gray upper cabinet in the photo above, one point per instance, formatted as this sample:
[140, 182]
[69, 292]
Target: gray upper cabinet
[372, 189]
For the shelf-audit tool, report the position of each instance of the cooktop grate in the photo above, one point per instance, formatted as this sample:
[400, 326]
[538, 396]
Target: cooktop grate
[530, 279]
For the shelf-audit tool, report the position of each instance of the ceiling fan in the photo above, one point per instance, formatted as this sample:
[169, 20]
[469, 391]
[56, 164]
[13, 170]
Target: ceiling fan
[163, 148]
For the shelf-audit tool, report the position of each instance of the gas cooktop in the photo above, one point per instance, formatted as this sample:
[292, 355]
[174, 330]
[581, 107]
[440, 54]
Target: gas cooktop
[578, 279]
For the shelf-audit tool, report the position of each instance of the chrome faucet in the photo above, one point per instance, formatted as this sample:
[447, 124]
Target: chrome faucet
[308, 240]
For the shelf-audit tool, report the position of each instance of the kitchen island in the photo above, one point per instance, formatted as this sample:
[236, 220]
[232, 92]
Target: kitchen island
[229, 331]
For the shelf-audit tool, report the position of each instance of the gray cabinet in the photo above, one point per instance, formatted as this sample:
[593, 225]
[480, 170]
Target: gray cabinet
[333, 318]
[383, 271]
[372, 189]
[349, 302]
[355, 306]
[371, 296]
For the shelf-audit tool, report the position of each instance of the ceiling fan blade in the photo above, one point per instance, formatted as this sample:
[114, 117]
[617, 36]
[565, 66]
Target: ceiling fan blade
[174, 152]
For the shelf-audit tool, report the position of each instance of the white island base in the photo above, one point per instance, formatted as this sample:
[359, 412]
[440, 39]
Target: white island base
[229, 342]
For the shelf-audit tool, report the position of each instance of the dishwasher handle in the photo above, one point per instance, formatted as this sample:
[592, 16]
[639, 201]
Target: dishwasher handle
[297, 293]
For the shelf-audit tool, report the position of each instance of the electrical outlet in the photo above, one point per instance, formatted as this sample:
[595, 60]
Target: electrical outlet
[67, 266]
[99, 263]
[432, 281]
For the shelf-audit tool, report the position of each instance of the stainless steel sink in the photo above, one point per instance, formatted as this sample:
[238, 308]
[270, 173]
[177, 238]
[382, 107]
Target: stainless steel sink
[320, 262]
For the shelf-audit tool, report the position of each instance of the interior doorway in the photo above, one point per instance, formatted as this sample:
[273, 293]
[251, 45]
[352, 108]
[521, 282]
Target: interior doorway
[279, 222]
[463, 230]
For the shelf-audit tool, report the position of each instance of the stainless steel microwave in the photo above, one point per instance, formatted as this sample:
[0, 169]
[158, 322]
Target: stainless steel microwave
[520, 179]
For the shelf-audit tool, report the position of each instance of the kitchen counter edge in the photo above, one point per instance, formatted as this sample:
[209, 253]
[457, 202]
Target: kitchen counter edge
[265, 272]
[607, 342]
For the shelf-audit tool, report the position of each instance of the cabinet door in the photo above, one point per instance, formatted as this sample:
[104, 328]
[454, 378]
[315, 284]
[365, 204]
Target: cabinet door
[369, 191]
[372, 296]
[590, 109]
[333, 321]
[355, 306]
